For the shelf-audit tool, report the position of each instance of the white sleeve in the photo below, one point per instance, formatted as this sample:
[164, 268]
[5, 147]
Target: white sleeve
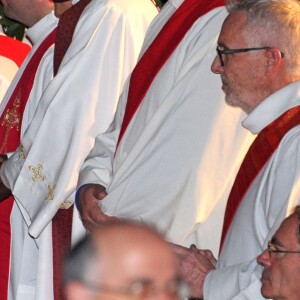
[236, 282]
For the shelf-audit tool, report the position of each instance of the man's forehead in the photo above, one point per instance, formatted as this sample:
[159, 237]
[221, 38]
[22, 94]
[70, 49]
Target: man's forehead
[233, 27]
[286, 231]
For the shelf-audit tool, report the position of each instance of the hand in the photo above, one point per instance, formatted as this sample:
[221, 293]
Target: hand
[194, 265]
[90, 212]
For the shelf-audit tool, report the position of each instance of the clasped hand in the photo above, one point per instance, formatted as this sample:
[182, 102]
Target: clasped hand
[194, 265]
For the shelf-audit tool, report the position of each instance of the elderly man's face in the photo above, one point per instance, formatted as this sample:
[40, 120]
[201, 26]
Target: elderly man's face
[280, 278]
[243, 75]
[138, 263]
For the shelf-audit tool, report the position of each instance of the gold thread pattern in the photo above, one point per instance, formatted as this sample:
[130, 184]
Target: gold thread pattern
[22, 153]
[37, 172]
[11, 120]
[51, 192]
[66, 204]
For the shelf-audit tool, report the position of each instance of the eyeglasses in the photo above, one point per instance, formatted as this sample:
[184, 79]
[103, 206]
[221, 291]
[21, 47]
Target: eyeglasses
[221, 52]
[144, 289]
[272, 249]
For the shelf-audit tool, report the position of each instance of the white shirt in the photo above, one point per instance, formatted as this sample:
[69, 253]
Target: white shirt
[271, 197]
[176, 162]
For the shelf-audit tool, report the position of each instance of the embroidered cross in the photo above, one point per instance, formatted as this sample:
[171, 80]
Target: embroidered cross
[11, 120]
[12, 117]
[37, 172]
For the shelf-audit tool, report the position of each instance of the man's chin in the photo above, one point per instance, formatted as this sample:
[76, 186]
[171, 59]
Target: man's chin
[230, 101]
[266, 292]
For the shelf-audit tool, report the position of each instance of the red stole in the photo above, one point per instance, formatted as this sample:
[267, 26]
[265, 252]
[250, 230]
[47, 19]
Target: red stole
[65, 30]
[160, 50]
[11, 118]
[13, 49]
[62, 221]
[257, 156]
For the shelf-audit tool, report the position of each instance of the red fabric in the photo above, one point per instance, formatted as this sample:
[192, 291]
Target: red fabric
[13, 49]
[5, 241]
[257, 156]
[160, 50]
[61, 239]
[65, 30]
[62, 222]
[11, 118]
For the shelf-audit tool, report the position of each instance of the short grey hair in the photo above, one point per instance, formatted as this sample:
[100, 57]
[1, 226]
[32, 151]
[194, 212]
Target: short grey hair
[77, 263]
[276, 23]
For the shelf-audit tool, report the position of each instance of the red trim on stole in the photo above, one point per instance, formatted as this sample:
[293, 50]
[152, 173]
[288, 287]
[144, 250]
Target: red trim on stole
[5, 241]
[257, 156]
[13, 49]
[11, 118]
[159, 52]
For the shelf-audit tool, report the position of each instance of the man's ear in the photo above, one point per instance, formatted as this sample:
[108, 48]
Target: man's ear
[76, 291]
[274, 59]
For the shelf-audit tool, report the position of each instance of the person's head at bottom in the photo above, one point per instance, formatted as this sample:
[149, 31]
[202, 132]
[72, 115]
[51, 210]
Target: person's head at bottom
[122, 260]
[281, 261]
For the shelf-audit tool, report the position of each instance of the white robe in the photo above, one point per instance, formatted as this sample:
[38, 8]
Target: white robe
[20, 281]
[177, 160]
[79, 102]
[271, 197]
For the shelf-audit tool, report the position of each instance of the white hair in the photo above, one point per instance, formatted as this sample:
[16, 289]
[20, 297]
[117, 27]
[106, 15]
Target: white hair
[276, 23]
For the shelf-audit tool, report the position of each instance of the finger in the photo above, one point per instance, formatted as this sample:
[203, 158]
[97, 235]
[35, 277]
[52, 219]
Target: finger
[99, 192]
[210, 256]
[180, 250]
[194, 248]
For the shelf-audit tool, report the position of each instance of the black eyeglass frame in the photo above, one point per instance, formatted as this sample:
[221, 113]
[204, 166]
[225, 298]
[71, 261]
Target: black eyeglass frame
[270, 250]
[220, 52]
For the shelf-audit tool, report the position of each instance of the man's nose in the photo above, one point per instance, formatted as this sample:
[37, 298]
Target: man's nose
[216, 66]
[264, 259]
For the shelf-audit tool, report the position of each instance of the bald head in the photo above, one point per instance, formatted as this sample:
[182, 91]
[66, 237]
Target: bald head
[124, 258]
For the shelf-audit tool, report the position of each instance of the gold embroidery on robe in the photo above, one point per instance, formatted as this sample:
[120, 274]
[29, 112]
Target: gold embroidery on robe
[12, 119]
[37, 172]
[51, 192]
[22, 153]
[66, 204]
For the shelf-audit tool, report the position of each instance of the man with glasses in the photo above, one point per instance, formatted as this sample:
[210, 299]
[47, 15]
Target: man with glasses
[122, 260]
[281, 261]
[258, 59]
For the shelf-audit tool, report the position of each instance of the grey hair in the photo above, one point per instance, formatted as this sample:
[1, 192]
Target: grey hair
[78, 262]
[276, 23]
